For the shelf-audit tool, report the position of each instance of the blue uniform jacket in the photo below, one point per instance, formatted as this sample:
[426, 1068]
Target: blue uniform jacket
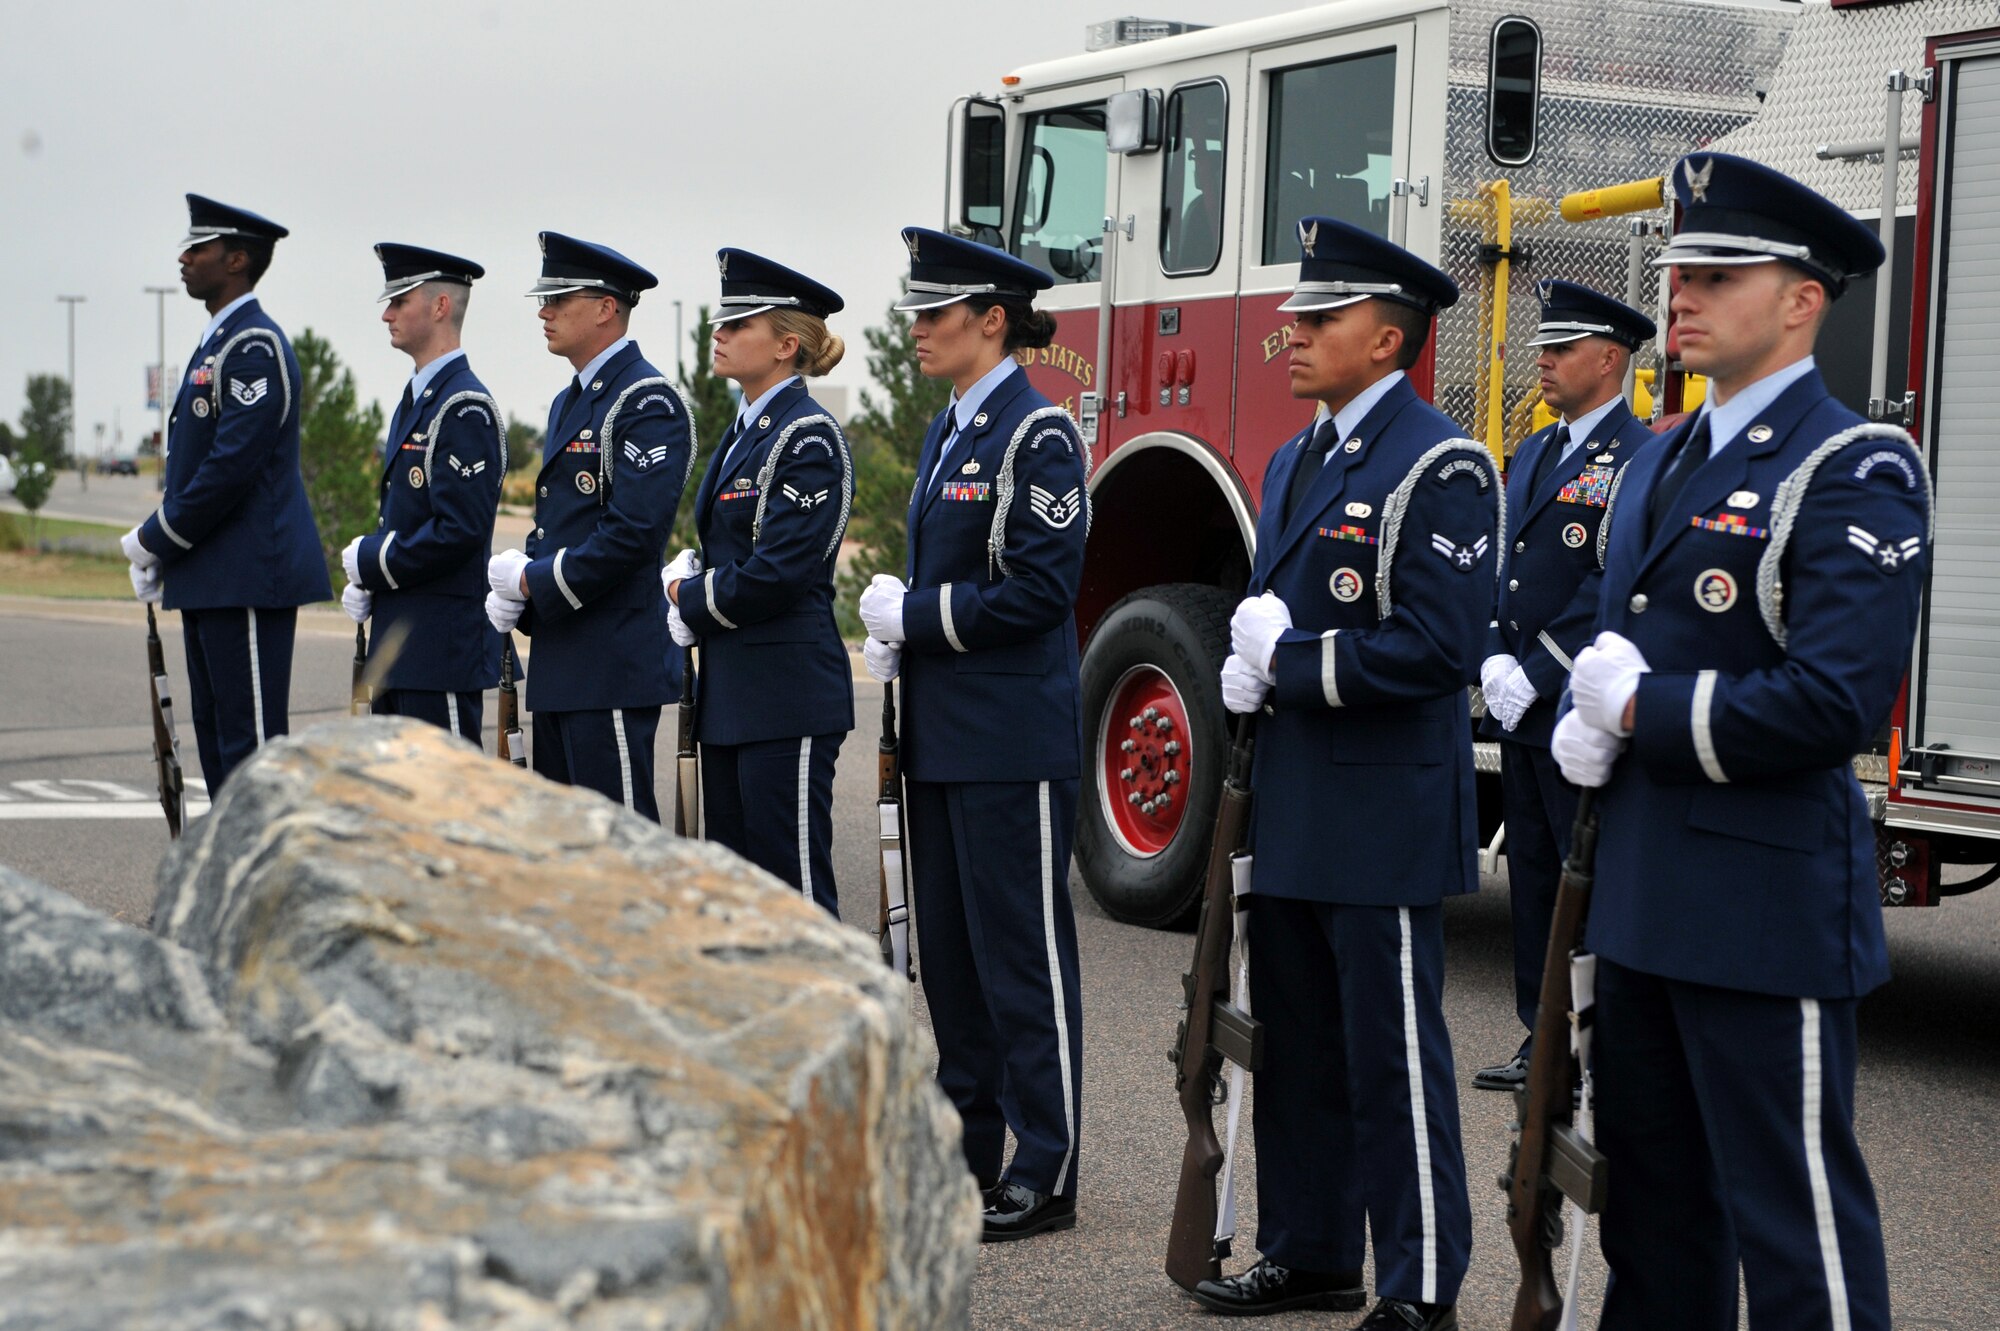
[996, 556]
[234, 527]
[773, 663]
[1553, 563]
[1364, 775]
[1776, 606]
[613, 468]
[426, 564]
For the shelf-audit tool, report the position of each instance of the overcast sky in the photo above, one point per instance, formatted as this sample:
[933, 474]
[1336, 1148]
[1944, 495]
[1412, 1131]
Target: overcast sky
[807, 132]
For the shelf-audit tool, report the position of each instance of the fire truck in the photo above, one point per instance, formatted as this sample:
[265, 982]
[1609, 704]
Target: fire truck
[1157, 178]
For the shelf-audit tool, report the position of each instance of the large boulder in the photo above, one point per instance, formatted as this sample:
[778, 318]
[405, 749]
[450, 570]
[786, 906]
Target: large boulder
[425, 1042]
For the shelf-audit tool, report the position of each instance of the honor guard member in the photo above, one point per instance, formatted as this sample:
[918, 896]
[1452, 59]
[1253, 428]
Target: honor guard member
[619, 447]
[1760, 597]
[422, 573]
[1367, 609]
[777, 687]
[992, 735]
[233, 546]
[1557, 489]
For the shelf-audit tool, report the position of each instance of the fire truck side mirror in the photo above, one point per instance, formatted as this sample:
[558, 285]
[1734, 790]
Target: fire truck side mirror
[978, 171]
[1132, 121]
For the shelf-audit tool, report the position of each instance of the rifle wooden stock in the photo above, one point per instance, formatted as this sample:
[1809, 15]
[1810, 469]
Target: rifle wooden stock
[1546, 1142]
[513, 745]
[358, 693]
[166, 742]
[687, 760]
[892, 917]
[1211, 1027]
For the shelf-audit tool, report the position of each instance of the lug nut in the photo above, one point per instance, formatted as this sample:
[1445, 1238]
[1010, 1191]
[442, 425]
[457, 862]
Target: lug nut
[1166, 725]
[1127, 747]
[1133, 798]
[1134, 723]
[1151, 712]
[1164, 802]
[1173, 748]
[1147, 807]
[1173, 778]
[1125, 774]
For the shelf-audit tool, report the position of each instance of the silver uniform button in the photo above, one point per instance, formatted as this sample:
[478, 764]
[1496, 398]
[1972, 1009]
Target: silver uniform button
[543, 492]
[539, 533]
[1513, 584]
[1513, 626]
[1520, 547]
[1637, 604]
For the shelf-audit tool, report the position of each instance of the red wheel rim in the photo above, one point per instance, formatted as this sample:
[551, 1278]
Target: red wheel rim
[1144, 761]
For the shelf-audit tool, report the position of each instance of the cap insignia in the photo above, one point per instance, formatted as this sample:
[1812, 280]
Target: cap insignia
[911, 241]
[1697, 181]
[722, 264]
[1309, 237]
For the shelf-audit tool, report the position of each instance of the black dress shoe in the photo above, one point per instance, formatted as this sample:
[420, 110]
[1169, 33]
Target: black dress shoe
[1270, 1288]
[1402, 1315]
[1015, 1212]
[1508, 1076]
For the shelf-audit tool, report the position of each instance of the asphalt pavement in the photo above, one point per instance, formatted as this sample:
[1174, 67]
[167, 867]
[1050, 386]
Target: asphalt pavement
[76, 810]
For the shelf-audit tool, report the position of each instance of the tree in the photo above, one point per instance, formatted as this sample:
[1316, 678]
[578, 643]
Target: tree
[10, 442]
[524, 444]
[45, 417]
[714, 403]
[339, 449]
[885, 439]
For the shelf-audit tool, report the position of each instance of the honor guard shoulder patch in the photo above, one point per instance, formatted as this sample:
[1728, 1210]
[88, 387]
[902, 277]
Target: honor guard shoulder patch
[805, 500]
[1459, 465]
[1057, 511]
[820, 440]
[474, 409]
[1888, 457]
[250, 392]
[1464, 558]
[1886, 555]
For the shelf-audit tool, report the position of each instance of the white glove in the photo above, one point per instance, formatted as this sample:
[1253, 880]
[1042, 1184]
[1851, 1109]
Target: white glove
[503, 575]
[146, 582]
[677, 627]
[1243, 689]
[882, 608]
[683, 565]
[503, 612]
[1605, 677]
[1512, 698]
[135, 552]
[358, 602]
[1495, 669]
[1254, 630]
[1583, 752]
[884, 661]
[350, 563]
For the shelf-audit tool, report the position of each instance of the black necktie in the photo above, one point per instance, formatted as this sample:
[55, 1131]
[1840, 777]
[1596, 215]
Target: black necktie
[1311, 463]
[400, 422]
[1550, 460]
[570, 399]
[1693, 452]
[729, 438]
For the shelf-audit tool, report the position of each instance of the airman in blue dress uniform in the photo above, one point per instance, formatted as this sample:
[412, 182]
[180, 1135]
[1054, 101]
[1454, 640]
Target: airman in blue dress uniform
[985, 639]
[233, 546]
[1368, 604]
[421, 575]
[1760, 596]
[619, 447]
[1557, 489]
[777, 687]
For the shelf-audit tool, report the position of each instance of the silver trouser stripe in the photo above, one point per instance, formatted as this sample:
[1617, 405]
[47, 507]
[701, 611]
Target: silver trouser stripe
[708, 596]
[1056, 982]
[1419, 1119]
[451, 712]
[624, 758]
[562, 583]
[1822, 1195]
[172, 535]
[1704, 742]
[1555, 651]
[805, 818]
[256, 680]
[944, 618]
[1329, 683]
[382, 562]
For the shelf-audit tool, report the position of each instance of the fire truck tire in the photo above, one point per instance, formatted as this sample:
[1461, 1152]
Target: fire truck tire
[1155, 738]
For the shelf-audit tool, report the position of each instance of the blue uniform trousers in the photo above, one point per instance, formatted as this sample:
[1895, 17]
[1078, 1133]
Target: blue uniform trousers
[1728, 1118]
[239, 664]
[1356, 1109]
[608, 751]
[457, 712]
[1539, 808]
[772, 803]
[996, 941]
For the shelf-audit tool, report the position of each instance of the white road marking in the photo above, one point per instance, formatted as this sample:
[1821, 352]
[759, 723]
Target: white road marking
[69, 799]
[21, 813]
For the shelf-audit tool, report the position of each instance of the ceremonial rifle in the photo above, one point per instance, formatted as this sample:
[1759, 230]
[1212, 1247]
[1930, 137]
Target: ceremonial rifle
[166, 743]
[687, 760]
[513, 747]
[358, 696]
[1550, 1159]
[892, 926]
[1213, 1029]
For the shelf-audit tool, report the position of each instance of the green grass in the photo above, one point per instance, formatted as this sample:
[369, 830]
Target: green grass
[70, 577]
[54, 529]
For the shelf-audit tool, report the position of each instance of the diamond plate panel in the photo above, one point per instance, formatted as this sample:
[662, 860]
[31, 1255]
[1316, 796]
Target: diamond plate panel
[1628, 86]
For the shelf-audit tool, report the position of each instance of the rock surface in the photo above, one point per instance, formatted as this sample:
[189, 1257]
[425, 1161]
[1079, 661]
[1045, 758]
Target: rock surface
[425, 1042]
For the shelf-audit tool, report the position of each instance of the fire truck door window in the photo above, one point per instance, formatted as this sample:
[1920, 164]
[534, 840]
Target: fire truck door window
[1059, 227]
[1191, 186]
[1332, 134]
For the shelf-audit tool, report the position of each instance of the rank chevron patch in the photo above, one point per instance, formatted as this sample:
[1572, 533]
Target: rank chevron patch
[1886, 555]
[804, 500]
[1057, 511]
[251, 393]
[1461, 557]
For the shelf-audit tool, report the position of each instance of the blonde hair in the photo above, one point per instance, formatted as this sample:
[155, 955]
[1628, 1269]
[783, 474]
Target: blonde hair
[820, 349]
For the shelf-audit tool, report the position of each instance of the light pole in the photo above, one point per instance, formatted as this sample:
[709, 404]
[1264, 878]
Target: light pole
[73, 302]
[160, 295]
[680, 363]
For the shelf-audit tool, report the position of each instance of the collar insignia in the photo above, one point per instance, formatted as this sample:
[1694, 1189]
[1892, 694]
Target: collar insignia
[1760, 434]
